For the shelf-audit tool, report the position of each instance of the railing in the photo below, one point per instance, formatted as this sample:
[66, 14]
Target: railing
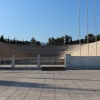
[51, 61]
[31, 61]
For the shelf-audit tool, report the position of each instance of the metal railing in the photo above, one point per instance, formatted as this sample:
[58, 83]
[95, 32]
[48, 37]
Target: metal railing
[31, 61]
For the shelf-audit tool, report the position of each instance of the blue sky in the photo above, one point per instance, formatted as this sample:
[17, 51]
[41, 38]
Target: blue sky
[42, 19]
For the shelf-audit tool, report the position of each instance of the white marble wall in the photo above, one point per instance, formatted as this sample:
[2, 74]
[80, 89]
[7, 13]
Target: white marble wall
[83, 62]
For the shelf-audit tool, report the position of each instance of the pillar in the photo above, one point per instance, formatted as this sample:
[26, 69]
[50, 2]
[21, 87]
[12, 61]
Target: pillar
[13, 60]
[67, 61]
[38, 60]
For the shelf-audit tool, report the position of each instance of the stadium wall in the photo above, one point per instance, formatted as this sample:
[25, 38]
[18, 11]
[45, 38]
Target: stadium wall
[82, 62]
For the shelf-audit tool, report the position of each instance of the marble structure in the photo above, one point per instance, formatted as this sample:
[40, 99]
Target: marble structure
[13, 60]
[82, 62]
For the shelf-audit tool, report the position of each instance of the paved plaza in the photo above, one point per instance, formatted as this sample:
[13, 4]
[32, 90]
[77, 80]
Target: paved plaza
[49, 85]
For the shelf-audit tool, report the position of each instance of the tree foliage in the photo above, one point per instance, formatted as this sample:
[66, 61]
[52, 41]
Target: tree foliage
[63, 40]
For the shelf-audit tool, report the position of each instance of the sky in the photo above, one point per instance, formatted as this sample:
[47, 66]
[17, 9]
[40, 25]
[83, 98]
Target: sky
[42, 19]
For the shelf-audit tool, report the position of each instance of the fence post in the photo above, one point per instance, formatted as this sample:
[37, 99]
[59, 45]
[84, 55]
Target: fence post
[38, 60]
[13, 60]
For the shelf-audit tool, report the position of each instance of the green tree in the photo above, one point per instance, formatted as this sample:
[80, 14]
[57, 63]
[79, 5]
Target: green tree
[98, 37]
[49, 41]
[89, 36]
[77, 41]
[13, 42]
[63, 39]
[71, 41]
[38, 43]
[67, 39]
[52, 41]
[58, 41]
[84, 41]
[33, 41]
[2, 38]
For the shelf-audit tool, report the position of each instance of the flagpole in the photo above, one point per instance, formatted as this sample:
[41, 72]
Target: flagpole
[79, 25]
[95, 24]
[87, 24]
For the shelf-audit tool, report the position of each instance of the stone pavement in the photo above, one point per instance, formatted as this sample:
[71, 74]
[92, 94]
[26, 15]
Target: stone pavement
[49, 85]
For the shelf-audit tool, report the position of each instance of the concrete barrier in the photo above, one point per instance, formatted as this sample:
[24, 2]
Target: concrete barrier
[82, 62]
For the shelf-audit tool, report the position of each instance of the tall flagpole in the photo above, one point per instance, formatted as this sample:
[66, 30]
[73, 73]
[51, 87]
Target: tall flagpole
[95, 24]
[87, 24]
[79, 25]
